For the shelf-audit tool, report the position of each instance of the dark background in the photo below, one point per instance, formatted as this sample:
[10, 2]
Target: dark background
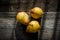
[10, 29]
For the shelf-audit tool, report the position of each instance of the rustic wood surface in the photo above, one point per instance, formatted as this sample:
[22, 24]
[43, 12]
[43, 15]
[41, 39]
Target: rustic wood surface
[9, 28]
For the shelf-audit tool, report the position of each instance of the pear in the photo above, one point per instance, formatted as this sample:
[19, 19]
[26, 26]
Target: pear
[22, 17]
[33, 27]
[36, 12]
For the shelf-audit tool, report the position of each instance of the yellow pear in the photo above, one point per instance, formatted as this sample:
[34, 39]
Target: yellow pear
[22, 17]
[33, 27]
[36, 12]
